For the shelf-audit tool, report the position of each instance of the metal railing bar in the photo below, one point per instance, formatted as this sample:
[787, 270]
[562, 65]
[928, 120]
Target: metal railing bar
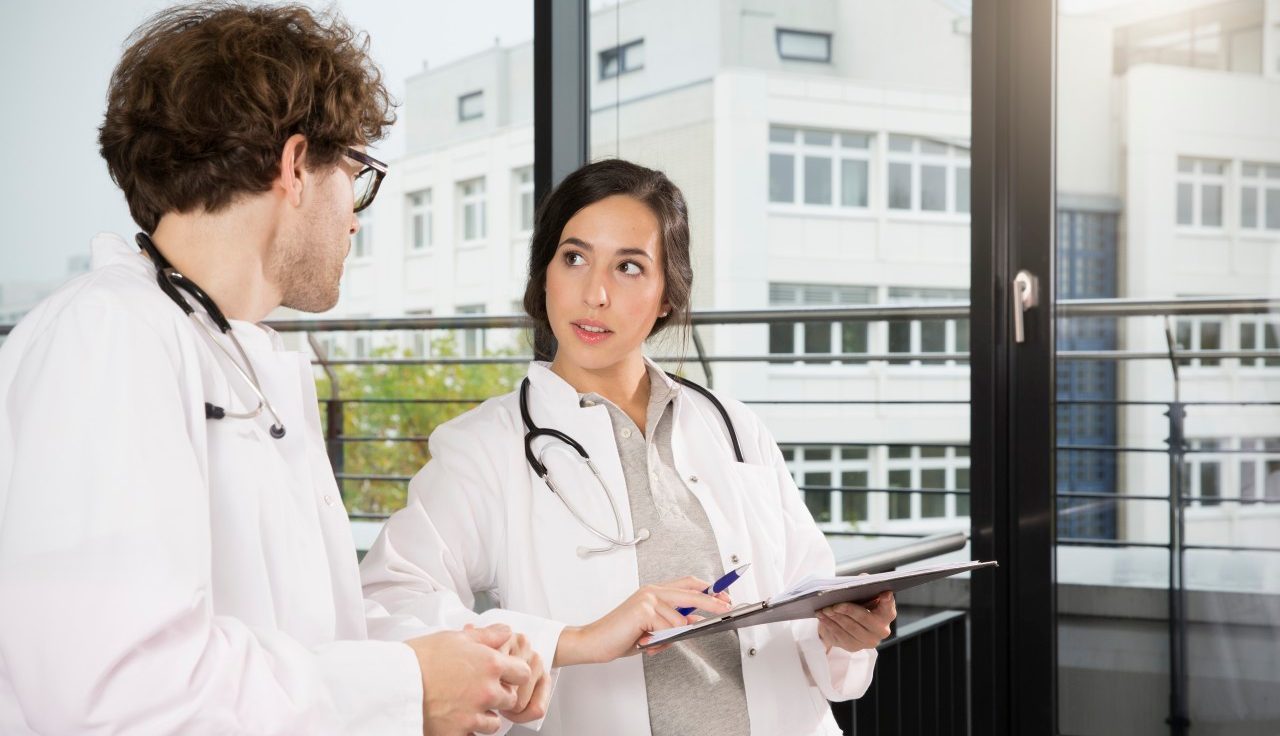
[905, 554]
[1109, 448]
[1162, 404]
[1102, 495]
[845, 489]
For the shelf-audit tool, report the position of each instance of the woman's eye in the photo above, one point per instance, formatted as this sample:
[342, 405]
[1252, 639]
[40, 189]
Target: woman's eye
[631, 268]
[574, 259]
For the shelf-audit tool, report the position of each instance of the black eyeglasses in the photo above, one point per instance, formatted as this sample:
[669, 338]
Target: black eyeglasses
[369, 178]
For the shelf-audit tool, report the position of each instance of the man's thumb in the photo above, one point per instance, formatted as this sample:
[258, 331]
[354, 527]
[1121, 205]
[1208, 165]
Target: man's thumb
[491, 636]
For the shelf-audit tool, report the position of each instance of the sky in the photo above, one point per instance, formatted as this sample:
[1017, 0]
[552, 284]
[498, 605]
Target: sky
[56, 62]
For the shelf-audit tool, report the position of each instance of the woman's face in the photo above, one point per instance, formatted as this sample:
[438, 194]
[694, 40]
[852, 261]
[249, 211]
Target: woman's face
[605, 284]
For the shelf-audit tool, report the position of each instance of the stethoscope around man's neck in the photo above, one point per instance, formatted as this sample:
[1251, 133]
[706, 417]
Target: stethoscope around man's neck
[171, 280]
[616, 540]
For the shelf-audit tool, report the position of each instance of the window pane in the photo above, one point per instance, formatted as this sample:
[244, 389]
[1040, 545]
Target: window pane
[788, 453]
[1184, 203]
[1210, 339]
[633, 56]
[1248, 207]
[933, 452]
[899, 452]
[900, 186]
[1211, 167]
[1271, 479]
[853, 337]
[818, 137]
[817, 453]
[1209, 483]
[933, 505]
[817, 180]
[819, 502]
[782, 338]
[901, 142]
[853, 183]
[962, 336]
[962, 504]
[853, 453]
[933, 188]
[1271, 341]
[855, 140]
[779, 134]
[1186, 165]
[962, 479]
[1249, 169]
[932, 147]
[962, 190]
[1248, 478]
[804, 46]
[418, 240]
[817, 337]
[933, 336]
[899, 337]
[782, 187]
[1273, 209]
[900, 503]
[854, 505]
[1211, 205]
[1182, 337]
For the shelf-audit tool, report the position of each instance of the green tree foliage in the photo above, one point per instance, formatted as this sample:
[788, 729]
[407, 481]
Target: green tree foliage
[402, 405]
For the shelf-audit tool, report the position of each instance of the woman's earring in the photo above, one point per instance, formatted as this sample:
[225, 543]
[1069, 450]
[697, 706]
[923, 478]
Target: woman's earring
[664, 314]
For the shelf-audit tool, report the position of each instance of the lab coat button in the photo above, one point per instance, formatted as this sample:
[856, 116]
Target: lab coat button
[626, 433]
[693, 479]
[328, 500]
[733, 559]
[751, 652]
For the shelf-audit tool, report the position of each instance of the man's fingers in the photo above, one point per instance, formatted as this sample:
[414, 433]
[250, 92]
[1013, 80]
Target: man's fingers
[493, 636]
[486, 723]
[512, 671]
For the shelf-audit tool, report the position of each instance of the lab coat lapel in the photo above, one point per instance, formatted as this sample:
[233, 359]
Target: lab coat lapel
[553, 403]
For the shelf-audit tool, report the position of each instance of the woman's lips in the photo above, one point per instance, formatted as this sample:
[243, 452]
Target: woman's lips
[589, 337]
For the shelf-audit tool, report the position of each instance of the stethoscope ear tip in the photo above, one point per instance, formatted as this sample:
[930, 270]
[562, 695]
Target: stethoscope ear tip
[642, 535]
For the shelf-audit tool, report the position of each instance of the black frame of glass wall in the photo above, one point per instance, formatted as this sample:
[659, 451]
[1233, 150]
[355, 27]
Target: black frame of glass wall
[1013, 686]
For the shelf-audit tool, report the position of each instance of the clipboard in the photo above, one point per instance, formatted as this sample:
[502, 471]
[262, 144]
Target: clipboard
[809, 596]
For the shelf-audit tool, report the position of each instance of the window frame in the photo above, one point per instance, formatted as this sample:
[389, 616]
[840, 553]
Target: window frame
[473, 192]
[1262, 183]
[463, 99]
[780, 33]
[1197, 179]
[622, 52]
[423, 209]
[951, 162]
[836, 152]
[522, 178]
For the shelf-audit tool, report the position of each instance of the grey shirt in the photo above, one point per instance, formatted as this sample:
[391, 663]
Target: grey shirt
[696, 686]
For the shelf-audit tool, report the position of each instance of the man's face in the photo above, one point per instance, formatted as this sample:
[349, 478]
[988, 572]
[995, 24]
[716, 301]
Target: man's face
[308, 258]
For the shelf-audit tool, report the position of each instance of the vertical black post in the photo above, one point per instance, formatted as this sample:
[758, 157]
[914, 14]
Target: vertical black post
[1179, 719]
[1014, 635]
[333, 439]
[560, 104]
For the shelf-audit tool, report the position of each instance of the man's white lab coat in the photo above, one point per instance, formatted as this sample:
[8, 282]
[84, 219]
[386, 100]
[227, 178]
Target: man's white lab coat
[161, 572]
[479, 519]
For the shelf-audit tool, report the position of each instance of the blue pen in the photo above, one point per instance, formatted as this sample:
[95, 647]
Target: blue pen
[719, 585]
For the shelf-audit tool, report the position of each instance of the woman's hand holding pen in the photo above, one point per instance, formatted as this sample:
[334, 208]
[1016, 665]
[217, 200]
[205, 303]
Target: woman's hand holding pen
[649, 609]
[853, 626]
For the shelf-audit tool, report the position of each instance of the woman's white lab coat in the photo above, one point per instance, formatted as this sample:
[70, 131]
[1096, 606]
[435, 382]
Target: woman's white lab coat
[479, 519]
[161, 572]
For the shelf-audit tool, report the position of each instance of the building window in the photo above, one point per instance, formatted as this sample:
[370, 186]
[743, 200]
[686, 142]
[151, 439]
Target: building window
[798, 338]
[419, 226]
[619, 60]
[927, 175]
[1258, 469]
[1200, 182]
[471, 196]
[1259, 333]
[1199, 333]
[834, 480]
[472, 340]
[804, 45]
[524, 198]
[1259, 196]
[362, 241]
[419, 341]
[362, 346]
[819, 168]
[927, 335]
[471, 106]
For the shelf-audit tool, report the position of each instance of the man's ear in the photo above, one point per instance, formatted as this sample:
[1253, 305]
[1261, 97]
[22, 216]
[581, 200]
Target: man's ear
[293, 168]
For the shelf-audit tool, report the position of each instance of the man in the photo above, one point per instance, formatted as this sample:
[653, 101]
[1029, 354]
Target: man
[174, 556]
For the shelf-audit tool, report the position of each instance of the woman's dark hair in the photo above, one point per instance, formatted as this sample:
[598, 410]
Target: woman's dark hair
[586, 186]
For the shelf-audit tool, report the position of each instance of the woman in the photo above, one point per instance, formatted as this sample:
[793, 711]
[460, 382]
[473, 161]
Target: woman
[672, 506]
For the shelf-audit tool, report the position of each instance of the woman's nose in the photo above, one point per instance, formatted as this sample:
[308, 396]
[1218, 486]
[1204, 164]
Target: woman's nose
[594, 294]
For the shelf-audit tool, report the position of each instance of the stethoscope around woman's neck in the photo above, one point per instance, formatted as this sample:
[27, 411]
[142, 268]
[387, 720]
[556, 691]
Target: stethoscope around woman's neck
[171, 280]
[617, 539]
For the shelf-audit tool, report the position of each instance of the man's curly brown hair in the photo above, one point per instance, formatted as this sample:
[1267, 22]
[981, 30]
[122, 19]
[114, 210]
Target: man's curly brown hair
[206, 95]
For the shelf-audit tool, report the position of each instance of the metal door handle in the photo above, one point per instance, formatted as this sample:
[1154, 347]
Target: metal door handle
[1026, 294]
